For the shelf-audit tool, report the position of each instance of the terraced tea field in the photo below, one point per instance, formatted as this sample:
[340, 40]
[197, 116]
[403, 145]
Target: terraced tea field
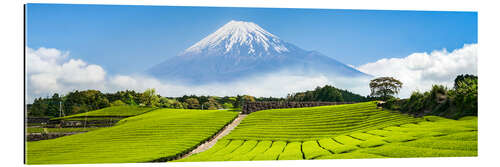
[344, 131]
[300, 124]
[156, 135]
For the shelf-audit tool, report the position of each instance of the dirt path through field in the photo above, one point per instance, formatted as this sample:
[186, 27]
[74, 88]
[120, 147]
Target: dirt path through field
[207, 145]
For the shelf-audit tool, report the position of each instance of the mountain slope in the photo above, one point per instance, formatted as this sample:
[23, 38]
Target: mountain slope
[243, 49]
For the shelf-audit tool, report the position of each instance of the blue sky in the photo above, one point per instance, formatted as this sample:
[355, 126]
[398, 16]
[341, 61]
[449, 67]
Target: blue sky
[129, 39]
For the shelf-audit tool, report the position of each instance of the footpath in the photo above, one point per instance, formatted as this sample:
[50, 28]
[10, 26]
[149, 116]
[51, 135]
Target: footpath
[208, 144]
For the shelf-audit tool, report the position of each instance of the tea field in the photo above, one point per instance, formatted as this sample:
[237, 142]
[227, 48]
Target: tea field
[160, 134]
[342, 132]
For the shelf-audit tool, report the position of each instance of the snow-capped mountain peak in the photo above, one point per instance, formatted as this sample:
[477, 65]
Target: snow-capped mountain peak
[240, 50]
[239, 37]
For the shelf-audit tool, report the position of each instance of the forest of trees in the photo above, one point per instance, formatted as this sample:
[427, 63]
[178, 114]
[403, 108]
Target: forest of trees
[326, 93]
[83, 101]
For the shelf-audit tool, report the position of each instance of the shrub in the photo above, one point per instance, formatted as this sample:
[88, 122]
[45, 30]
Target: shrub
[118, 103]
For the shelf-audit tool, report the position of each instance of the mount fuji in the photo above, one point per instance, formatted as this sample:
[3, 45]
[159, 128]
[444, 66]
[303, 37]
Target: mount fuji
[243, 49]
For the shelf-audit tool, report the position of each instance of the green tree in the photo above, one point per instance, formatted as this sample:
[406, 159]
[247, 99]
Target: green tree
[465, 96]
[385, 87]
[461, 78]
[165, 103]
[118, 103]
[192, 103]
[150, 98]
[227, 105]
[247, 98]
[211, 104]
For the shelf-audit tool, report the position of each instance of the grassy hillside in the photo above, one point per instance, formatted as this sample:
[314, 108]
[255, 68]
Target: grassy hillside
[161, 133]
[116, 111]
[345, 131]
[299, 124]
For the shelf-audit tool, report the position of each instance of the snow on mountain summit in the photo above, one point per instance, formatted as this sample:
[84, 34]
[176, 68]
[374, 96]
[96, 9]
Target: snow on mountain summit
[238, 37]
[240, 50]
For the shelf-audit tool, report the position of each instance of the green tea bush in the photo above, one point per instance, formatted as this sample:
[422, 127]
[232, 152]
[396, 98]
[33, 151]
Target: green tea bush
[312, 150]
[260, 148]
[345, 132]
[313, 123]
[371, 143]
[335, 147]
[292, 151]
[351, 155]
[273, 152]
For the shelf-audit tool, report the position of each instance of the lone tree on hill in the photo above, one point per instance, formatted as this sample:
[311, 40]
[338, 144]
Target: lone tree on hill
[385, 87]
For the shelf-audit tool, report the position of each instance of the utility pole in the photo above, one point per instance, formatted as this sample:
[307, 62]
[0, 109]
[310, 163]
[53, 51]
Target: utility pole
[60, 110]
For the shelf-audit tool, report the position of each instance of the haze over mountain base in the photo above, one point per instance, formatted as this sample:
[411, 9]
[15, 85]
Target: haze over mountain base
[51, 71]
[239, 50]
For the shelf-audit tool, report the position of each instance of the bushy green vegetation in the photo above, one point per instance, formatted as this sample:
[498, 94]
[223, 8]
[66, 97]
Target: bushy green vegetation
[157, 135]
[292, 151]
[326, 93]
[273, 152]
[88, 100]
[385, 135]
[454, 103]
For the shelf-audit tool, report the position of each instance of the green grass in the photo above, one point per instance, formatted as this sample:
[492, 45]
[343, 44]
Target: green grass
[163, 133]
[346, 132]
[115, 111]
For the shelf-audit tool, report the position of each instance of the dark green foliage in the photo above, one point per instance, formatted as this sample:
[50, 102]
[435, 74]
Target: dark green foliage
[461, 78]
[129, 97]
[452, 103]
[118, 103]
[326, 93]
[150, 98]
[465, 95]
[385, 87]
[84, 101]
[88, 100]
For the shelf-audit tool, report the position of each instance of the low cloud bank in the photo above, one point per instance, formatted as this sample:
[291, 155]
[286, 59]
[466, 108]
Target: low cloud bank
[50, 70]
[53, 71]
[419, 71]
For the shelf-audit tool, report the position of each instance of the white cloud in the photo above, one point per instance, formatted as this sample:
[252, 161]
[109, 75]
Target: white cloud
[276, 85]
[52, 71]
[419, 71]
[49, 71]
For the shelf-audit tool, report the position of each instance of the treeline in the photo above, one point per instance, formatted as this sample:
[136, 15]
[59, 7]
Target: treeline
[327, 93]
[83, 101]
[459, 101]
